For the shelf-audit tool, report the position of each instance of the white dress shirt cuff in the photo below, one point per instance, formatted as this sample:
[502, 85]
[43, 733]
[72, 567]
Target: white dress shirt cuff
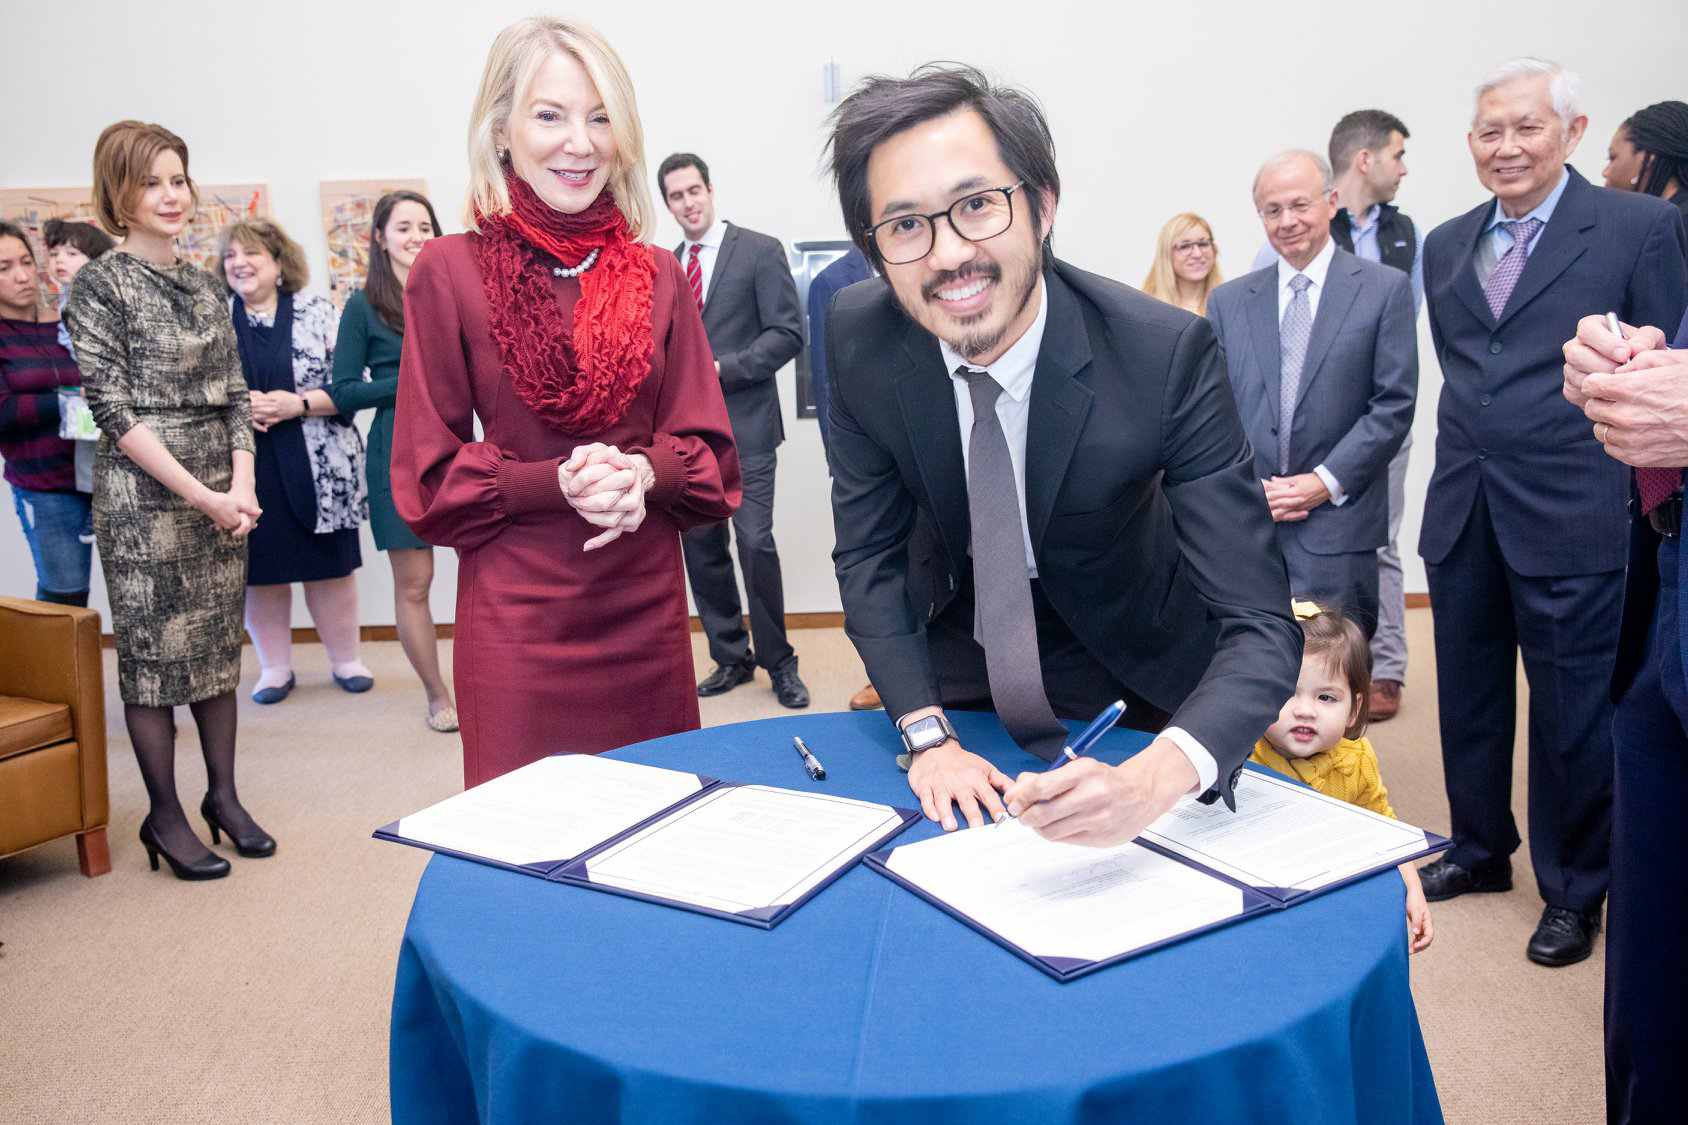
[1207, 770]
[1332, 485]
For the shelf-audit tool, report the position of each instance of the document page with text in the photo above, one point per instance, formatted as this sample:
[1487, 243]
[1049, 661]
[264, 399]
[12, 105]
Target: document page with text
[551, 810]
[1284, 835]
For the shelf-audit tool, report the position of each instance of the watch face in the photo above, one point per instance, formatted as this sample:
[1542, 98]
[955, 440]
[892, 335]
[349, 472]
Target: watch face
[925, 734]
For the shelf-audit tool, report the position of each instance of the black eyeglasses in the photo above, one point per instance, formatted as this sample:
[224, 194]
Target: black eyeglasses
[976, 217]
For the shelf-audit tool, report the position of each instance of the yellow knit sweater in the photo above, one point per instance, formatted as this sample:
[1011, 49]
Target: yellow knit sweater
[1347, 771]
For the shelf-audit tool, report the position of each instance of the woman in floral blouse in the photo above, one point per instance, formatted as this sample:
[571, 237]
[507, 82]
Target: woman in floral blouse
[309, 460]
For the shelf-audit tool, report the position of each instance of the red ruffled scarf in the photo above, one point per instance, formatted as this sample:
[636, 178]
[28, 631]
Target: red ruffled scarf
[582, 381]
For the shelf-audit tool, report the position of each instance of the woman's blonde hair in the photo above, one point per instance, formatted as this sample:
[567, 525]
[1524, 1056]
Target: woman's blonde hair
[265, 235]
[515, 58]
[1162, 283]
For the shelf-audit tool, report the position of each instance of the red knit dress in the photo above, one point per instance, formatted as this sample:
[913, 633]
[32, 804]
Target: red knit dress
[556, 648]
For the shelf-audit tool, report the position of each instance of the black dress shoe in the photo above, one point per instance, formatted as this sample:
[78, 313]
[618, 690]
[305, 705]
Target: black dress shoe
[252, 847]
[1563, 937]
[207, 866]
[726, 677]
[1446, 879]
[788, 689]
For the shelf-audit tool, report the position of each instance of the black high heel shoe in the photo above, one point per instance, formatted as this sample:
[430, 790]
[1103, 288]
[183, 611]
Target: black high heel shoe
[252, 847]
[211, 867]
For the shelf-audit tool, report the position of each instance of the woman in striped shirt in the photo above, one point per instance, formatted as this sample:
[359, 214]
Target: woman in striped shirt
[40, 465]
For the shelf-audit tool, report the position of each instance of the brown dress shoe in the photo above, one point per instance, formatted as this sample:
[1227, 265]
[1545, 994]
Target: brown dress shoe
[1385, 699]
[865, 700]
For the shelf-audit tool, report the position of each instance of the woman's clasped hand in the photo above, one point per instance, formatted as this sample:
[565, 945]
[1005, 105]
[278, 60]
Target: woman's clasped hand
[607, 488]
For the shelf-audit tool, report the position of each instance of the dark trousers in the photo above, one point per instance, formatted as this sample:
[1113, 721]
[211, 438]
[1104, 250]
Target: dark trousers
[1347, 582]
[1566, 627]
[1077, 684]
[1646, 952]
[709, 566]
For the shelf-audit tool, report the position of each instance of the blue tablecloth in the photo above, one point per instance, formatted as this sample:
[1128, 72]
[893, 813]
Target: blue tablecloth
[519, 1000]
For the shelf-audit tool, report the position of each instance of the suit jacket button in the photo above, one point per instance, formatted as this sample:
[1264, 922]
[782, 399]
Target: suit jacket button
[1482, 455]
[1485, 400]
[1494, 347]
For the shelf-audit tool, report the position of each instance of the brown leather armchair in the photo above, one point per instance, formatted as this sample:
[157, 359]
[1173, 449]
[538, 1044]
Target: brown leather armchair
[52, 731]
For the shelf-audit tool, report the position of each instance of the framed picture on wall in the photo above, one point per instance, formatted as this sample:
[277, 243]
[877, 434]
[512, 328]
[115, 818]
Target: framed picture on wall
[31, 208]
[347, 206]
[807, 260]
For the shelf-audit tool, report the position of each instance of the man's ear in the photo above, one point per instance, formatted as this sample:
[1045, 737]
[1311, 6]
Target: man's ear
[1046, 206]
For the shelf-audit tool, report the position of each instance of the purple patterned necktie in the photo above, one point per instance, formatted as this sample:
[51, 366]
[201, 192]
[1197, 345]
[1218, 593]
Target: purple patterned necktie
[1511, 265]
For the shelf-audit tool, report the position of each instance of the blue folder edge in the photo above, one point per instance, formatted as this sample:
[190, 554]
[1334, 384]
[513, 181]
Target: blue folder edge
[1066, 969]
[571, 871]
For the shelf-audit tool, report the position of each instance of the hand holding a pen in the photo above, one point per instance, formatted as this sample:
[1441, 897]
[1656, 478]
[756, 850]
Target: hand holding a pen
[1632, 388]
[1086, 802]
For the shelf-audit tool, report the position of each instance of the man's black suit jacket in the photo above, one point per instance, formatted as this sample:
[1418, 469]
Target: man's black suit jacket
[1151, 534]
[755, 327]
[1556, 499]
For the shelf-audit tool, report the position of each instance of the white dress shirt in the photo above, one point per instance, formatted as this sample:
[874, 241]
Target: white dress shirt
[1316, 272]
[1013, 372]
[709, 249]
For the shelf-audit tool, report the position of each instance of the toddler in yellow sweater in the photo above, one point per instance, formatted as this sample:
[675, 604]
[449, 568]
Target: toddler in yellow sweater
[1317, 738]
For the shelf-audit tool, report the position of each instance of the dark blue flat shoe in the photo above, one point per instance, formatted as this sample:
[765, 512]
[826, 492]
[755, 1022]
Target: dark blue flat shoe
[355, 684]
[275, 694]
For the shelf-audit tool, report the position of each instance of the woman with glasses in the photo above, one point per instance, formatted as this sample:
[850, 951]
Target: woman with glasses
[579, 349]
[1186, 267]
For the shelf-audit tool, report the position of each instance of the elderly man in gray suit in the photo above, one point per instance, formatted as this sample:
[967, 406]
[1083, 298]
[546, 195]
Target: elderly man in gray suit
[1323, 358]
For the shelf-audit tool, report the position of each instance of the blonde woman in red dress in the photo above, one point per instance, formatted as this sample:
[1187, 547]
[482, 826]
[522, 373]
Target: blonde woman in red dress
[578, 348]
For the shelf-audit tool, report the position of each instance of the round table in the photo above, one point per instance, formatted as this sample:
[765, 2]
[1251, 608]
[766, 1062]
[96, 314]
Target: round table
[520, 1000]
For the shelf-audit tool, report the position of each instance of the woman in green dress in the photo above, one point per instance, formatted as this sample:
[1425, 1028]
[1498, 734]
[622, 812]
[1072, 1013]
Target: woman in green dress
[371, 338]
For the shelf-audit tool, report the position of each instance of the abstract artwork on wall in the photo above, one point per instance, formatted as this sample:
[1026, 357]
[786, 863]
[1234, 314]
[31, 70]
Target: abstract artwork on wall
[219, 205]
[30, 208]
[346, 209]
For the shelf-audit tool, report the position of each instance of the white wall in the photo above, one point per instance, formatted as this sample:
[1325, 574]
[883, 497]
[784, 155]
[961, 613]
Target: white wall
[1154, 112]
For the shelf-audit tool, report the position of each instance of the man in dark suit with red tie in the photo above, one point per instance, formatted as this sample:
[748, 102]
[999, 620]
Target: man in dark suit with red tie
[751, 313]
[1523, 537]
[1635, 391]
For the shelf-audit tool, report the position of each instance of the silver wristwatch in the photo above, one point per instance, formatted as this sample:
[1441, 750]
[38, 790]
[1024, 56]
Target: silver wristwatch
[923, 734]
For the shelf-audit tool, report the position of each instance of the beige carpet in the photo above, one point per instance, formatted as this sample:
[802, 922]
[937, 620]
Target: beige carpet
[264, 996]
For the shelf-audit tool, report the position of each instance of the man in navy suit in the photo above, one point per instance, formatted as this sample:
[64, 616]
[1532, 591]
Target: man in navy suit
[743, 286]
[1640, 414]
[1321, 352]
[1523, 536]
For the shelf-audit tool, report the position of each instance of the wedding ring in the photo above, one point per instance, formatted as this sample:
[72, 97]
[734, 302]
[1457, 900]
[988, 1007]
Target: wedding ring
[1605, 435]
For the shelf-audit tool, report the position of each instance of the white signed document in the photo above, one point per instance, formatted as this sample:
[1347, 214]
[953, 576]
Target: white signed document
[744, 847]
[1285, 836]
[1064, 901]
[551, 810]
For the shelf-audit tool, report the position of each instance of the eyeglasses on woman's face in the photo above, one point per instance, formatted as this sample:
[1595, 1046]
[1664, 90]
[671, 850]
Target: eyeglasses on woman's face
[1193, 245]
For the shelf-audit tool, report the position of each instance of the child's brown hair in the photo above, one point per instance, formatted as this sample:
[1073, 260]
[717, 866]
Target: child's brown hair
[1341, 642]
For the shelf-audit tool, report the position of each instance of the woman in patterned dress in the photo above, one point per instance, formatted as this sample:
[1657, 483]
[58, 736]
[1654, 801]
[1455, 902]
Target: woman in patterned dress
[308, 462]
[173, 495]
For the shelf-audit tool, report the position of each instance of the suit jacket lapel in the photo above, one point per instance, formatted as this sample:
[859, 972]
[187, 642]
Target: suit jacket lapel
[729, 240]
[927, 400]
[1465, 268]
[1263, 328]
[1562, 243]
[1341, 286]
[1059, 405]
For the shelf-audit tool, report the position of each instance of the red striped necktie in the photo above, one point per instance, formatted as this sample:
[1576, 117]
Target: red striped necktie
[694, 274]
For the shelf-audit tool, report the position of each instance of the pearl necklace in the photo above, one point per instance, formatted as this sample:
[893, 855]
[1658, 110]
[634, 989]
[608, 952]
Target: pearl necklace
[586, 263]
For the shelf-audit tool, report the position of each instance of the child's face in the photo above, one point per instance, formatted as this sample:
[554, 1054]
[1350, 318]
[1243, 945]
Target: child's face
[1316, 715]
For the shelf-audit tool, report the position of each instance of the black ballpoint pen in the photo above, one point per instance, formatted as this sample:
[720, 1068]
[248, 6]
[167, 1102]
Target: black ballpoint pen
[810, 763]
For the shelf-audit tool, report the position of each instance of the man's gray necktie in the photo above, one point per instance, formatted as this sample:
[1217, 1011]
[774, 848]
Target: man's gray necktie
[1511, 265]
[1293, 333]
[1004, 622]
